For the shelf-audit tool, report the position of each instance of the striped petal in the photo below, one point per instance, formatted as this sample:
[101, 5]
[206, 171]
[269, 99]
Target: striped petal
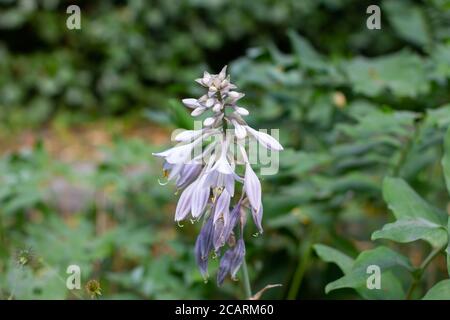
[265, 139]
[252, 188]
[199, 198]
[222, 205]
[184, 203]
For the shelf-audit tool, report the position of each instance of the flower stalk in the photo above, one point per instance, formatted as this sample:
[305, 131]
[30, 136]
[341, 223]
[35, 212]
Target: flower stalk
[203, 166]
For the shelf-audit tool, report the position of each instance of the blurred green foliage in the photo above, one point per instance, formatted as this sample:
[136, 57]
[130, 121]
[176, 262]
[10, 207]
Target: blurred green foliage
[353, 106]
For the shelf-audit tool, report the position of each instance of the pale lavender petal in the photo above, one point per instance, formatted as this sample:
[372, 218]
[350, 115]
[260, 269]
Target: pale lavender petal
[191, 103]
[222, 205]
[229, 224]
[189, 173]
[178, 154]
[210, 102]
[211, 92]
[231, 261]
[175, 171]
[265, 139]
[203, 246]
[188, 135]
[241, 111]
[199, 198]
[239, 130]
[162, 154]
[223, 73]
[224, 267]
[257, 218]
[198, 111]
[225, 86]
[252, 188]
[218, 231]
[184, 203]
[229, 184]
[234, 95]
[238, 257]
[207, 78]
[200, 81]
[208, 121]
[211, 179]
[223, 166]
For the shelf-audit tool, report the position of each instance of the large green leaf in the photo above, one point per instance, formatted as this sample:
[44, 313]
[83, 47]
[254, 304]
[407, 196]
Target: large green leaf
[180, 116]
[405, 203]
[305, 52]
[391, 289]
[383, 257]
[408, 21]
[391, 286]
[329, 254]
[440, 291]
[408, 230]
[403, 73]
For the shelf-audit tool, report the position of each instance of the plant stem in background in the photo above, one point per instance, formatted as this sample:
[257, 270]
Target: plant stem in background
[2, 233]
[299, 273]
[405, 151]
[418, 274]
[246, 278]
[304, 258]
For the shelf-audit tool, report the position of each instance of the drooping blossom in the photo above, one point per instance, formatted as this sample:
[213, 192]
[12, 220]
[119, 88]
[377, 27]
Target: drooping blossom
[208, 180]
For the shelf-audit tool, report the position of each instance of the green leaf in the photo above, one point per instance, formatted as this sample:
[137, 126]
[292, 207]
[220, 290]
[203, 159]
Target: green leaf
[180, 116]
[440, 291]
[329, 254]
[408, 21]
[405, 203]
[383, 257]
[301, 163]
[391, 286]
[391, 289]
[305, 52]
[408, 230]
[441, 61]
[403, 73]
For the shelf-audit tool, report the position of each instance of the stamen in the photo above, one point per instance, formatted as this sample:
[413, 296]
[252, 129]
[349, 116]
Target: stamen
[162, 183]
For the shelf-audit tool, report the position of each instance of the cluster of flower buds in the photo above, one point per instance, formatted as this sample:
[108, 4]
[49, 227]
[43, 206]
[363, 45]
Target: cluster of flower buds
[208, 179]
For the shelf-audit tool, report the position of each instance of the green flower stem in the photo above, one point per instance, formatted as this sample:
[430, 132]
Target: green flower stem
[2, 232]
[304, 258]
[247, 286]
[406, 150]
[299, 272]
[419, 272]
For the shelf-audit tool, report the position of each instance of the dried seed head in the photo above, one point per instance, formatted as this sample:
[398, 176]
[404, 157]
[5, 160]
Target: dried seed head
[93, 288]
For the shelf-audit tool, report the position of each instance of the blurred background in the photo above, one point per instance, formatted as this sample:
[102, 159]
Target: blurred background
[81, 111]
